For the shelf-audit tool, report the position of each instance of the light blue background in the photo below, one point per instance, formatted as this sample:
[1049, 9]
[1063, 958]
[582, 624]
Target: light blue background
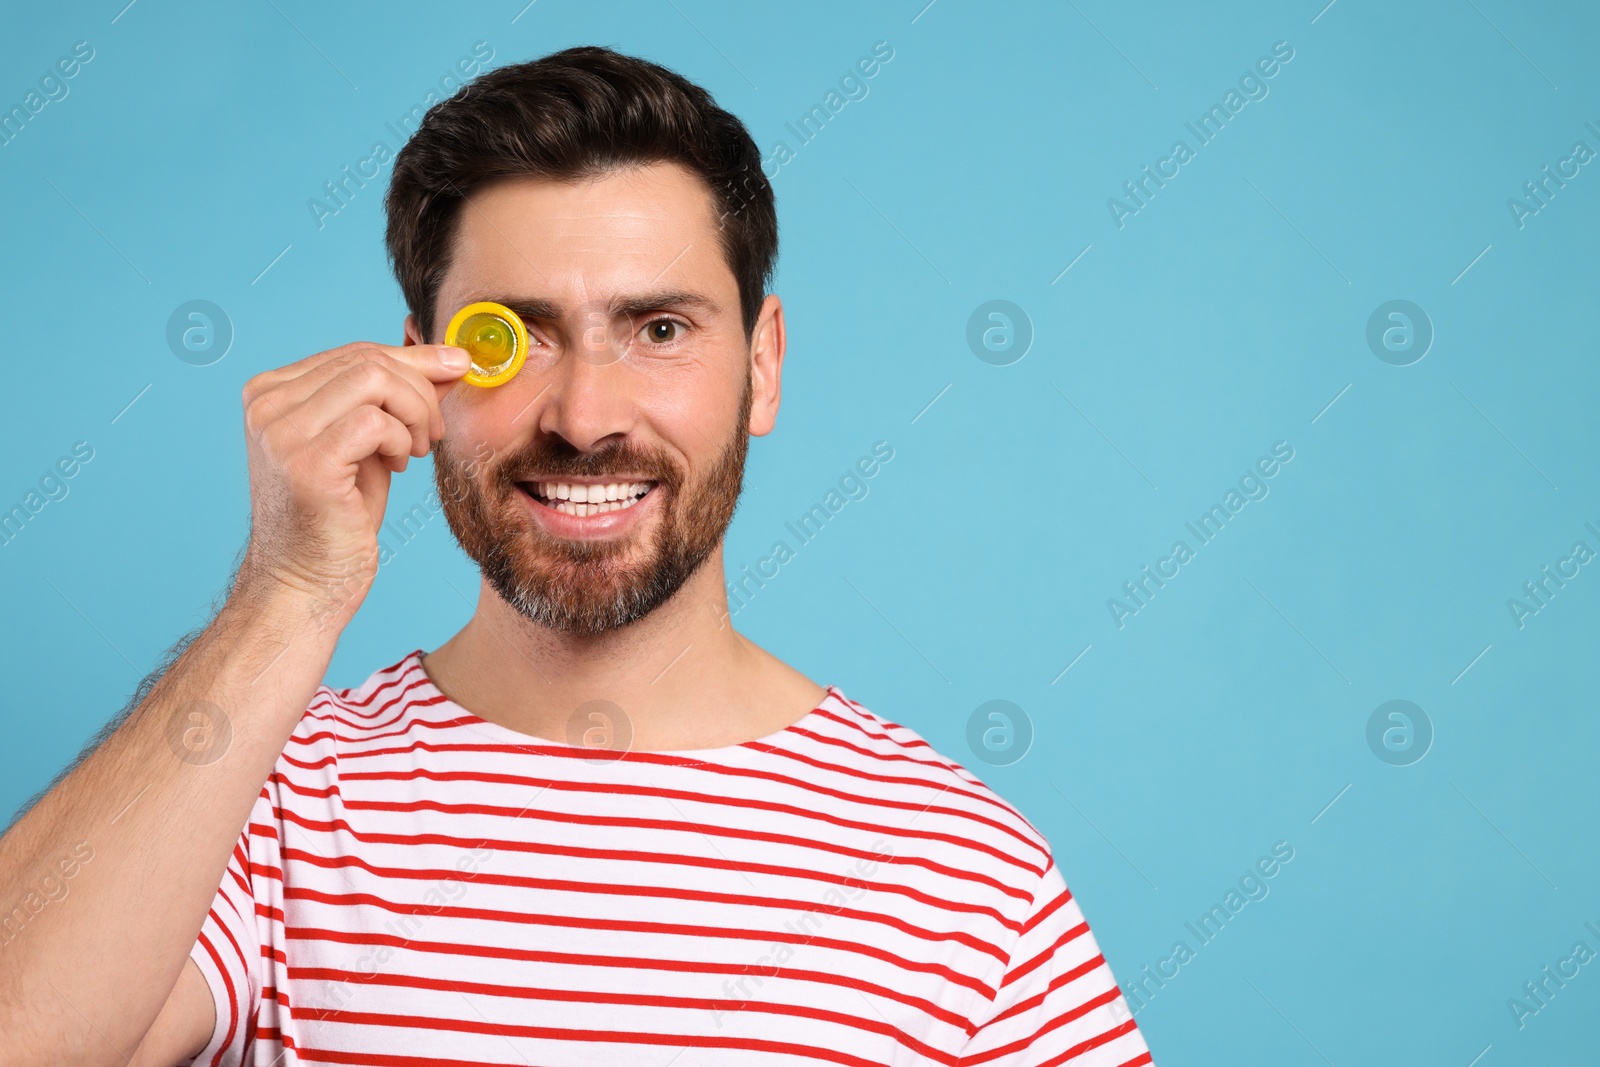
[1223, 317]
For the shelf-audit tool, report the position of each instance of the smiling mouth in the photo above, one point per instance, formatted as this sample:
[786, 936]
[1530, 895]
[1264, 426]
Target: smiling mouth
[583, 498]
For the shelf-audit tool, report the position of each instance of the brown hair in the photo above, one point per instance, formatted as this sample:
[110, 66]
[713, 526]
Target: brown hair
[571, 115]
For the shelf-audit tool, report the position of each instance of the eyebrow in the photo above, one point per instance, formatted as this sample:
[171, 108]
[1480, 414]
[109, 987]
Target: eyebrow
[533, 307]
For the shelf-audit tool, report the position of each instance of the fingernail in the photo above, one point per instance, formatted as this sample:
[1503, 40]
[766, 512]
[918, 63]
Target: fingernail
[455, 358]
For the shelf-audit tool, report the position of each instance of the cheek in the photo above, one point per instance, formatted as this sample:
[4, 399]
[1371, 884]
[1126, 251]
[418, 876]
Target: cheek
[484, 421]
[692, 414]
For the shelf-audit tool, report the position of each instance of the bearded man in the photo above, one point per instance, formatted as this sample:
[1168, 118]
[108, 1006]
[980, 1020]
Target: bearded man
[598, 825]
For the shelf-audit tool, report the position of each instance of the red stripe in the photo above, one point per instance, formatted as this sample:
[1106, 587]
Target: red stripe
[562, 1033]
[577, 922]
[567, 885]
[616, 788]
[244, 960]
[686, 827]
[285, 1041]
[870, 717]
[582, 959]
[861, 727]
[1056, 1021]
[641, 757]
[398, 698]
[638, 856]
[411, 662]
[1095, 1042]
[883, 757]
[1065, 978]
[372, 731]
[668, 758]
[1045, 956]
[885, 779]
[697, 1004]
[1045, 912]
[378, 1059]
[241, 855]
[233, 1006]
[410, 680]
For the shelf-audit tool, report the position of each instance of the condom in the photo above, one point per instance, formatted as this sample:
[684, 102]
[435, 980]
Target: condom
[496, 339]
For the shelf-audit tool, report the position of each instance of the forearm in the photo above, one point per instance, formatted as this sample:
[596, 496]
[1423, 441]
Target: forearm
[157, 808]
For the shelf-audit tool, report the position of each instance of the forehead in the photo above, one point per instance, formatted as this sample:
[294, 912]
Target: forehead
[644, 227]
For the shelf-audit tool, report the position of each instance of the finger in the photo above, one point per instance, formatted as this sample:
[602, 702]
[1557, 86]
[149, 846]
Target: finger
[441, 364]
[361, 433]
[322, 394]
[371, 382]
[434, 369]
[434, 363]
[452, 364]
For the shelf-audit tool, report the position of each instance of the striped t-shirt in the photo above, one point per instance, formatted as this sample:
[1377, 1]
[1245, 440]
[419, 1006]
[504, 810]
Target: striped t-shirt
[417, 885]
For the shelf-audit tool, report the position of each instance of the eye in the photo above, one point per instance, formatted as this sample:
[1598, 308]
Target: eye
[663, 331]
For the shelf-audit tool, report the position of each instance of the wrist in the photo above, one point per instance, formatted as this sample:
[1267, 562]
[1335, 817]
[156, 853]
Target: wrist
[287, 605]
[321, 602]
[274, 635]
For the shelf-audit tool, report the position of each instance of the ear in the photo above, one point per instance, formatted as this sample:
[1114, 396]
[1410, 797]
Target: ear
[413, 334]
[766, 367]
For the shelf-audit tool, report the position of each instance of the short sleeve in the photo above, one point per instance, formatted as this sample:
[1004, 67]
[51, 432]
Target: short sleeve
[1058, 1003]
[228, 953]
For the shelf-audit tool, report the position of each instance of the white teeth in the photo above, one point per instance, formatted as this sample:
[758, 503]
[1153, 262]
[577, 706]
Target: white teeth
[584, 500]
[592, 494]
[572, 507]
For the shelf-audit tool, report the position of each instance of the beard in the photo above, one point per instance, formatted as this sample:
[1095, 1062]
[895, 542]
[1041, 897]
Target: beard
[589, 588]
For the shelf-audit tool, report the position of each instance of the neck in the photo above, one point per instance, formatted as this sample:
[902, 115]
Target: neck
[682, 676]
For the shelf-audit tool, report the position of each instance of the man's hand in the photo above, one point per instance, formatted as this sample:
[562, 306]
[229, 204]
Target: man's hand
[324, 436]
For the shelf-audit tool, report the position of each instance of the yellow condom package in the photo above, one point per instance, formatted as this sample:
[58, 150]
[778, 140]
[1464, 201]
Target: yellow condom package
[496, 339]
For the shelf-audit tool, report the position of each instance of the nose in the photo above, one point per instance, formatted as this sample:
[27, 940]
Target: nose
[586, 401]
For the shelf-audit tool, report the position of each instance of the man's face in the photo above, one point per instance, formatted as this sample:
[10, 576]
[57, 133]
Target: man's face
[591, 486]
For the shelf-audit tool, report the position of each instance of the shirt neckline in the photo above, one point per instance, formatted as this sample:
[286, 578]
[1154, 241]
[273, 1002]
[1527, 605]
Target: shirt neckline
[725, 754]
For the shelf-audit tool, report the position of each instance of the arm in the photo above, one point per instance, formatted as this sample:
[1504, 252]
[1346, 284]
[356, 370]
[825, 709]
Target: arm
[184, 1023]
[1058, 1004]
[161, 799]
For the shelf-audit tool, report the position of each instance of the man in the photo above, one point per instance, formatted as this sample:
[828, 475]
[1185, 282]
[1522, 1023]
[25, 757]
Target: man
[598, 825]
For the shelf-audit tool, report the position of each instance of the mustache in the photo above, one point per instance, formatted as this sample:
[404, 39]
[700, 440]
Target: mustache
[551, 459]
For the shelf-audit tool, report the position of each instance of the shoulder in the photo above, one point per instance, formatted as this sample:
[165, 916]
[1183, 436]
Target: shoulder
[378, 710]
[944, 795]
